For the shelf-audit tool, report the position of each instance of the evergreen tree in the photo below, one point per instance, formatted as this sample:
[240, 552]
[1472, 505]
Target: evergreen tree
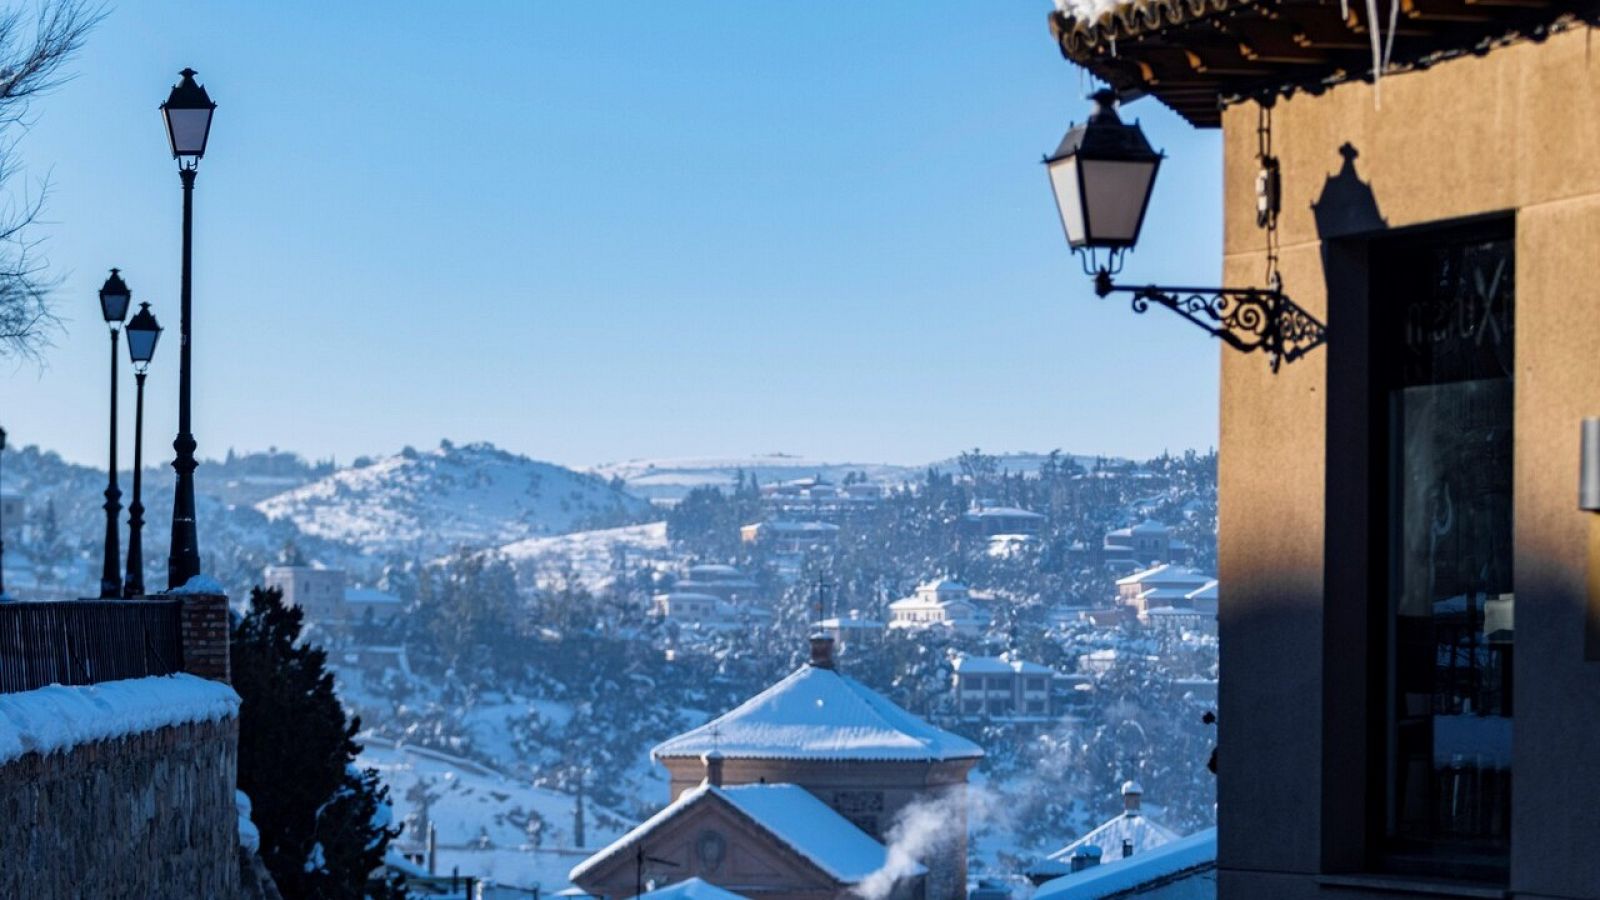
[322, 821]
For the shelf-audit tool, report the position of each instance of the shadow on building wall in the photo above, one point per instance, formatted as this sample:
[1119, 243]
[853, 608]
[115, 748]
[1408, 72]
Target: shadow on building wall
[1347, 205]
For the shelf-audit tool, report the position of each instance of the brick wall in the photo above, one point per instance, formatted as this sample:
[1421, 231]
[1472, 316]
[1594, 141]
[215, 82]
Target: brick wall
[148, 815]
[204, 625]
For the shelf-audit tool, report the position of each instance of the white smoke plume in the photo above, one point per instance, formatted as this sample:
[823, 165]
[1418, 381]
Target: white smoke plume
[923, 830]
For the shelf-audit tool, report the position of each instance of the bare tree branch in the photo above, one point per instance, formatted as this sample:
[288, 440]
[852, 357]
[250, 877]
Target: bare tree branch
[29, 67]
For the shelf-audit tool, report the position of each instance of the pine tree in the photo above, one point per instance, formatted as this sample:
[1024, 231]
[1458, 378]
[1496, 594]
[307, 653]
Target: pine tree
[322, 821]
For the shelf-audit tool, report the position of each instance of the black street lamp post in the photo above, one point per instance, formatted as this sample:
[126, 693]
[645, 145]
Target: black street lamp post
[187, 113]
[143, 332]
[3, 596]
[114, 298]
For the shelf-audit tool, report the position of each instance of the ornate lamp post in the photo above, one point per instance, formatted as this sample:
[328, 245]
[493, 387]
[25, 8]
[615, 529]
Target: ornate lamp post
[1102, 175]
[3, 596]
[114, 297]
[143, 332]
[188, 116]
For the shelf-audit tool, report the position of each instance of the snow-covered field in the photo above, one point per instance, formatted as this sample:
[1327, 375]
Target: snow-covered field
[489, 825]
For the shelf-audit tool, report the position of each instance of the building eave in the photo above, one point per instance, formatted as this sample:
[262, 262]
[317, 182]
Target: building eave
[1198, 56]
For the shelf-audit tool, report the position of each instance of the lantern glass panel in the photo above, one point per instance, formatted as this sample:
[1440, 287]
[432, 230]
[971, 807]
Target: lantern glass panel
[142, 344]
[114, 306]
[1115, 192]
[1069, 200]
[187, 128]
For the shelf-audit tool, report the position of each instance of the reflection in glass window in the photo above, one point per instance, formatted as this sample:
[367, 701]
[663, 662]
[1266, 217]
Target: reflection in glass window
[1450, 306]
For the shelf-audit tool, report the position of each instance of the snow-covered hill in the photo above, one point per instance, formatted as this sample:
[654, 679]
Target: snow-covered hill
[668, 480]
[431, 502]
[592, 558]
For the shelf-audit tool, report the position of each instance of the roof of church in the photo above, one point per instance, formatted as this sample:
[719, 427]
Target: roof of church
[790, 814]
[817, 713]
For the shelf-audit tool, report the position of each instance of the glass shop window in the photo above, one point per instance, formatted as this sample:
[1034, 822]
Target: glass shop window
[1445, 319]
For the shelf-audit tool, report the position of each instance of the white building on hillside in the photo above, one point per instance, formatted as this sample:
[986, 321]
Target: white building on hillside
[993, 520]
[791, 538]
[1163, 585]
[940, 603]
[317, 590]
[1001, 687]
[726, 582]
[1146, 544]
[327, 598]
[853, 630]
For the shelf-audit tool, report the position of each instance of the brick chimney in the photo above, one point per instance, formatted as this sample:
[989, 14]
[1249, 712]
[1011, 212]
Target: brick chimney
[1084, 857]
[713, 763]
[1131, 794]
[822, 651]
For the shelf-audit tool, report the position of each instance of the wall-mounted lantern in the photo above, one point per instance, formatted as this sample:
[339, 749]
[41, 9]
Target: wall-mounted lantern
[1102, 175]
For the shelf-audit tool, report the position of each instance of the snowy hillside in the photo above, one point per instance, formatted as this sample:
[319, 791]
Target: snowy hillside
[592, 558]
[490, 825]
[432, 502]
[668, 480]
[671, 479]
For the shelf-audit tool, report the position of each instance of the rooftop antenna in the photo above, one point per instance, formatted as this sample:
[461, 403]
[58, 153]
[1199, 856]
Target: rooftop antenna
[821, 604]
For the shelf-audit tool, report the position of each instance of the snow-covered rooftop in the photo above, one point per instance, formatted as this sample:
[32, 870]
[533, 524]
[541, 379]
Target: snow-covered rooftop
[56, 718]
[817, 713]
[709, 571]
[1130, 825]
[1206, 592]
[801, 527]
[1194, 855]
[852, 621]
[997, 665]
[1166, 574]
[1006, 512]
[789, 813]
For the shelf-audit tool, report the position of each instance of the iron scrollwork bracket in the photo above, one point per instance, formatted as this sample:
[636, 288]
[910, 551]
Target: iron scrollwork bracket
[1246, 319]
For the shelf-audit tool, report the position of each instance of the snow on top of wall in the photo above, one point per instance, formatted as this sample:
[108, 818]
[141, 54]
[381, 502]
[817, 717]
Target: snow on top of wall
[817, 713]
[1194, 853]
[55, 718]
[200, 584]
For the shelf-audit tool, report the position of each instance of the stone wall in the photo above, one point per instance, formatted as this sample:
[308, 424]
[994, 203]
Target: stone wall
[148, 815]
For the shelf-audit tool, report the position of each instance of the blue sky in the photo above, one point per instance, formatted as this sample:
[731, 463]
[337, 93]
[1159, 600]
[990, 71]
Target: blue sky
[591, 232]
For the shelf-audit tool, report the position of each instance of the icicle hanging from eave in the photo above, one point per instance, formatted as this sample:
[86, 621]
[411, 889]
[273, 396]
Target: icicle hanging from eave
[1382, 48]
[1377, 52]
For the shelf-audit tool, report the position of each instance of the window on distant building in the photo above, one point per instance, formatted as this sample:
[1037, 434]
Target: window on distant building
[1444, 313]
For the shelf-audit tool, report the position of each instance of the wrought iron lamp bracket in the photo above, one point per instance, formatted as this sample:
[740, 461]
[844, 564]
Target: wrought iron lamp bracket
[1246, 319]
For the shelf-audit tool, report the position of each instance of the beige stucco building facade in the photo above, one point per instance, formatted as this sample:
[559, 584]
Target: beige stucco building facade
[1495, 148]
[1509, 135]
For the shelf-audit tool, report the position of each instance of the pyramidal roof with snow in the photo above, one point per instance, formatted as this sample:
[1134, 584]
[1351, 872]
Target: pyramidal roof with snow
[817, 713]
[787, 812]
